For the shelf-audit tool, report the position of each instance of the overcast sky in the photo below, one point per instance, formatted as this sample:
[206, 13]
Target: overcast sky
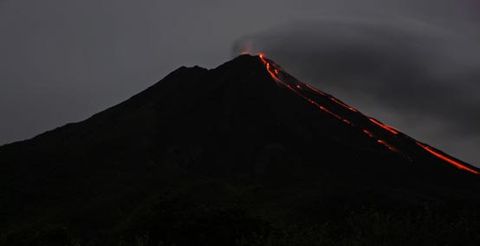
[413, 64]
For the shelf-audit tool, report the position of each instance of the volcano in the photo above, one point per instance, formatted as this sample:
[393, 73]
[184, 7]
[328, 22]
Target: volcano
[245, 138]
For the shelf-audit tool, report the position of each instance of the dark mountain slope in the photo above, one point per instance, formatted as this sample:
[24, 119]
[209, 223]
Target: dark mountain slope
[287, 150]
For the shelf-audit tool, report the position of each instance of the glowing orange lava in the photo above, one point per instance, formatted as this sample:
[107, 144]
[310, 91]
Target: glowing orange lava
[273, 73]
[297, 89]
[316, 90]
[450, 160]
[386, 127]
[387, 145]
[368, 133]
[300, 89]
[343, 104]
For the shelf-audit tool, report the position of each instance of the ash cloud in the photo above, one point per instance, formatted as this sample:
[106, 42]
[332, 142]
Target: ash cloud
[420, 77]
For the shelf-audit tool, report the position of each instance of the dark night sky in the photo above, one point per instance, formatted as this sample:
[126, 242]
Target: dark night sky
[413, 64]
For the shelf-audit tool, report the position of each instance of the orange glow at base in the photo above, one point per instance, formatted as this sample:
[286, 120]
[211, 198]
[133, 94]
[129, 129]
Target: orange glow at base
[247, 48]
[447, 159]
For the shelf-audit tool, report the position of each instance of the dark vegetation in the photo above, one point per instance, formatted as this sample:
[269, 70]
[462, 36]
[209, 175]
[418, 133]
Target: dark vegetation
[181, 219]
[227, 157]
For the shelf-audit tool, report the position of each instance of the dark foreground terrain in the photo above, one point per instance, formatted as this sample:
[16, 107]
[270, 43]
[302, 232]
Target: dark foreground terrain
[243, 154]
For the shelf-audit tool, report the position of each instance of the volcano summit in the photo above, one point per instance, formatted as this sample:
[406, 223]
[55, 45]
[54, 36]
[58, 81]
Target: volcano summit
[239, 152]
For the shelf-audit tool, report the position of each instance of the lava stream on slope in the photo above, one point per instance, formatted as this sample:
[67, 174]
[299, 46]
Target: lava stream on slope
[302, 90]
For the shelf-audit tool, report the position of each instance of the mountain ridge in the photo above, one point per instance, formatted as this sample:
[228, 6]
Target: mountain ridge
[199, 132]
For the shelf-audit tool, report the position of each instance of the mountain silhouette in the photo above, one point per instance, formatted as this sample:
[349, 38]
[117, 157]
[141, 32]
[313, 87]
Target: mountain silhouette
[245, 133]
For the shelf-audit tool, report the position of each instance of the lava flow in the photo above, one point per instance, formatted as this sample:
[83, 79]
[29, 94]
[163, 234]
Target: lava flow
[343, 104]
[386, 127]
[300, 89]
[450, 160]
[274, 73]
